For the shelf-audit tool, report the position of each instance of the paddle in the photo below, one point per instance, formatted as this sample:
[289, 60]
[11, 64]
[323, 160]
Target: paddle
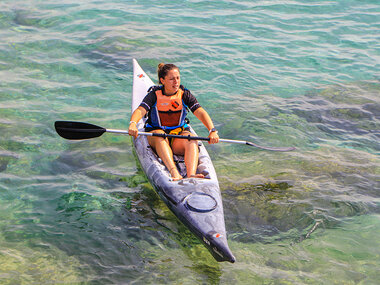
[79, 131]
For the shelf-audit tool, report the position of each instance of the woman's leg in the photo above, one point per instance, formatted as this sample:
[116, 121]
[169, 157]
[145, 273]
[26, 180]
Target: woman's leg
[188, 148]
[164, 151]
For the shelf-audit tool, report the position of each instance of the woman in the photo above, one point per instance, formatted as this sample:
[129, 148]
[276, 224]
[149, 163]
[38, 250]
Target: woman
[167, 106]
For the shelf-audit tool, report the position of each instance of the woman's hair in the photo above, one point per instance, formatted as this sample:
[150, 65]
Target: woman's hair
[163, 70]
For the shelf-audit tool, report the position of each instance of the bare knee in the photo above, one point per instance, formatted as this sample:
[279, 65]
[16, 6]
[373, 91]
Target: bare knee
[189, 142]
[180, 146]
[154, 141]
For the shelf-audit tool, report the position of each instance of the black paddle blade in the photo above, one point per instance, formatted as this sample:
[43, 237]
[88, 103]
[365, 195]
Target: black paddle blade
[78, 130]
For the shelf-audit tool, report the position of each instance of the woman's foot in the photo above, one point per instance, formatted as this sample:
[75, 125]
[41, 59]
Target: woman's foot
[199, 175]
[175, 174]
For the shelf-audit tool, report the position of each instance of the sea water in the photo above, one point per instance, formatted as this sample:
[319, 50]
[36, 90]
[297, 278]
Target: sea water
[277, 73]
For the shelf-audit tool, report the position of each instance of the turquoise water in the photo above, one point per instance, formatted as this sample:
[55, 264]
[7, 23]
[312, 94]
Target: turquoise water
[278, 73]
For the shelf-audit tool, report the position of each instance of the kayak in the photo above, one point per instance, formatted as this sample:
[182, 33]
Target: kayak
[196, 202]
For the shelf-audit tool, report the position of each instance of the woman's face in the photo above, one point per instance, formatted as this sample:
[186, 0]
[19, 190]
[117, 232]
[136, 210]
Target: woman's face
[171, 81]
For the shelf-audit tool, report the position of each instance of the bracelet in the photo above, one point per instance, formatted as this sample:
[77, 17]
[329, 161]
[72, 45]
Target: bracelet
[132, 122]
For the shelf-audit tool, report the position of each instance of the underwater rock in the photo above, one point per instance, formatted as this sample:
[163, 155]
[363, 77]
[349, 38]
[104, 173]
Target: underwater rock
[103, 59]
[3, 165]
[70, 162]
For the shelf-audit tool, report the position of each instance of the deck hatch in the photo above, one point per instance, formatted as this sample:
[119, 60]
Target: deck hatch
[200, 202]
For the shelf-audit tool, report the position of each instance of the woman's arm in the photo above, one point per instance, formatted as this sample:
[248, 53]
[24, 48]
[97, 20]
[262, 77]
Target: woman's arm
[204, 117]
[137, 115]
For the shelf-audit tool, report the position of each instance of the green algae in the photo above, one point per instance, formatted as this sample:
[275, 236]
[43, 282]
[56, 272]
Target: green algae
[135, 180]
[25, 258]
[22, 264]
[81, 202]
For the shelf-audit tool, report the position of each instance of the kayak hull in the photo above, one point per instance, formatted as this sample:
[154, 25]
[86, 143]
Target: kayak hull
[196, 202]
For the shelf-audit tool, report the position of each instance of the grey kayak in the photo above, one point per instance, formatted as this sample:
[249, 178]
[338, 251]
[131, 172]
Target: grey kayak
[196, 202]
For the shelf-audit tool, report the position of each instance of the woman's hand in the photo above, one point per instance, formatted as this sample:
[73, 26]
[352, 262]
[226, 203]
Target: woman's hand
[136, 117]
[214, 138]
[133, 131]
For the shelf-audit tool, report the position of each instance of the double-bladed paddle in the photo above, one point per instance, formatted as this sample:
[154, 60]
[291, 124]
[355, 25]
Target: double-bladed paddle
[79, 131]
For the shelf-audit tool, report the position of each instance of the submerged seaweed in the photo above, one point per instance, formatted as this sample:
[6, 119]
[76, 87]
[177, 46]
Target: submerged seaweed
[277, 210]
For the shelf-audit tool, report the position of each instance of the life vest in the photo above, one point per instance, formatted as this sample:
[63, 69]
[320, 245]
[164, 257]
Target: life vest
[169, 112]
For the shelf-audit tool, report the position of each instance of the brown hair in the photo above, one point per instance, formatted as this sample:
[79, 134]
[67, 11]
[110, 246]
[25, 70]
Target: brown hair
[163, 69]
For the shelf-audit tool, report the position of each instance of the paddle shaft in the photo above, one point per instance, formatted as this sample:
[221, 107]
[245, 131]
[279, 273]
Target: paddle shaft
[123, 132]
[80, 131]
[201, 139]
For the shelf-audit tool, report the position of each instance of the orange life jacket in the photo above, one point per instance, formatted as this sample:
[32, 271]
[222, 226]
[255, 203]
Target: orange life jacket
[169, 112]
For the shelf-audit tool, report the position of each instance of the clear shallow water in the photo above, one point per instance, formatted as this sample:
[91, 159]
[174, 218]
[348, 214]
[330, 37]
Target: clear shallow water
[278, 73]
